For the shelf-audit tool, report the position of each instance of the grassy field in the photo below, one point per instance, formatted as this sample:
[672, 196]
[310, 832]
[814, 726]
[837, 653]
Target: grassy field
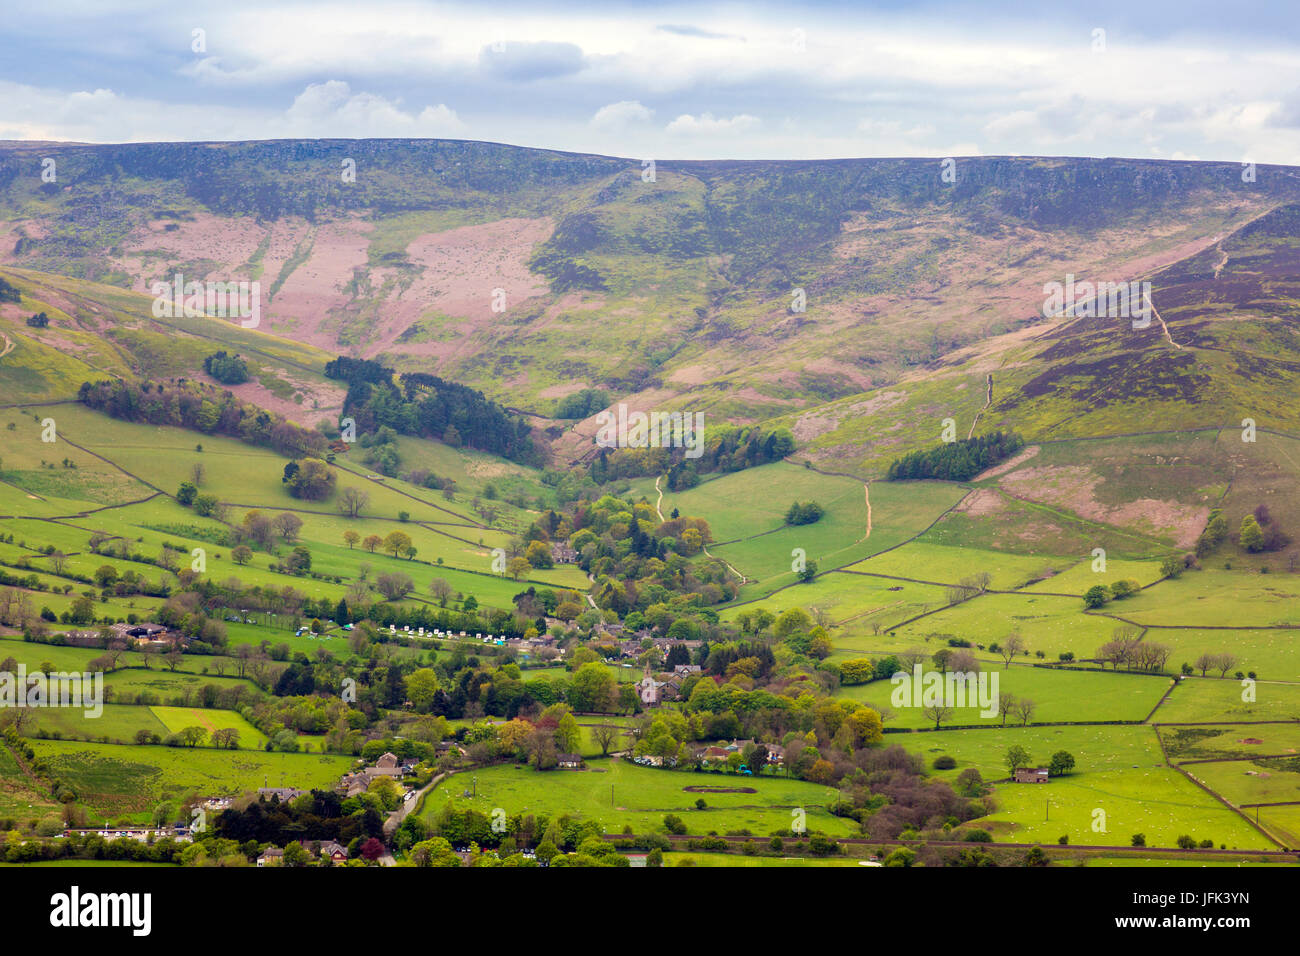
[1206, 699]
[118, 723]
[1272, 653]
[618, 793]
[1217, 598]
[176, 719]
[1262, 780]
[1049, 624]
[947, 565]
[126, 783]
[1282, 822]
[1119, 770]
[1241, 740]
[1059, 695]
[898, 512]
[854, 601]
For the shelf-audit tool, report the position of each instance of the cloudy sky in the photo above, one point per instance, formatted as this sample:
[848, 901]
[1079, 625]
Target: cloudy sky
[1160, 79]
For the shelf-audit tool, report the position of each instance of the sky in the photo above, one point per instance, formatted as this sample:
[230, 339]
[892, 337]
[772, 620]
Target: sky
[1157, 79]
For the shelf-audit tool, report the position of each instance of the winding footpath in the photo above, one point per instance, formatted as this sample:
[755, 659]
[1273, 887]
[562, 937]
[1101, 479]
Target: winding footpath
[659, 511]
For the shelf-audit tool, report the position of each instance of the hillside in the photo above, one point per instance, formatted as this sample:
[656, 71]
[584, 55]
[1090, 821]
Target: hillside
[1222, 346]
[97, 331]
[698, 268]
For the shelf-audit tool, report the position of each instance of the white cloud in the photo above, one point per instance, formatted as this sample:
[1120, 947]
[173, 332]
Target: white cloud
[620, 115]
[926, 80]
[331, 109]
[708, 124]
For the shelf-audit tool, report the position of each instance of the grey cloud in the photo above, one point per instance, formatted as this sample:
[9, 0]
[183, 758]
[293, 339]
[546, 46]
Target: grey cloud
[525, 62]
[686, 30]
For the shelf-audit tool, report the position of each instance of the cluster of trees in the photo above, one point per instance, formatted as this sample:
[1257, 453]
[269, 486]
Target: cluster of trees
[89, 846]
[200, 407]
[1127, 647]
[959, 460]
[431, 407]
[1097, 595]
[1221, 662]
[887, 791]
[309, 478]
[1259, 531]
[809, 513]
[227, 369]
[38, 321]
[726, 448]
[9, 292]
[557, 841]
[379, 451]
[582, 404]
[637, 560]
[316, 816]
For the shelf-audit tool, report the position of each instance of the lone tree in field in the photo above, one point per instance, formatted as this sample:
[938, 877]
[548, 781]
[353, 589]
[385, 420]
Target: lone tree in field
[1252, 535]
[287, 524]
[1006, 703]
[1024, 709]
[604, 735]
[394, 586]
[352, 501]
[1013, 645]
[351, 538]
[1016, 757]
[398, 542]
[938, 713]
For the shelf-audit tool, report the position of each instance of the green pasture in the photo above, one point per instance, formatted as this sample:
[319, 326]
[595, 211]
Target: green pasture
[619, 793]
[1211, 699]
[1047, 623]
[127, 782]
[1272, 653]
[1216, 598]
[940, 564]
[1059, 695]
[176, 719]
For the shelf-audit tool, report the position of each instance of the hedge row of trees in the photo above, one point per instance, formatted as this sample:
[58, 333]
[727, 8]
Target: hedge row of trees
[726, 448]
[959, 460]
[431, 407]
[200, 407]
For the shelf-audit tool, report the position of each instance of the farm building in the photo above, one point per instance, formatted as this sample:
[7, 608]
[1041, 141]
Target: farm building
[569, 761]
[1031, 775]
